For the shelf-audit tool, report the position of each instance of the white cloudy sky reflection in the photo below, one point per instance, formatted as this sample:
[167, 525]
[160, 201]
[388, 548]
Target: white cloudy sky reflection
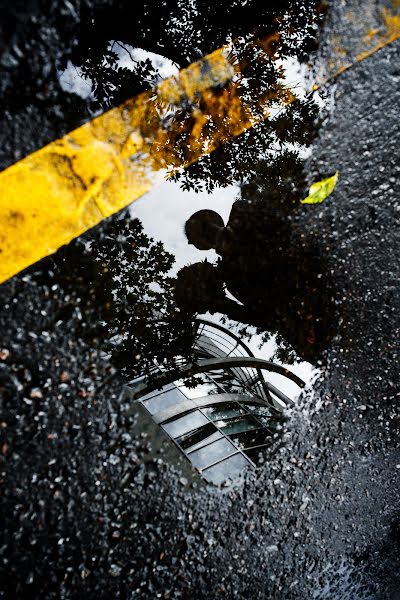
[163, 212]
[166, 208]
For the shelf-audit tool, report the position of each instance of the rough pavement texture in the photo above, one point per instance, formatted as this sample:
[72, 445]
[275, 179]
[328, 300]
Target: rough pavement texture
[85, 517]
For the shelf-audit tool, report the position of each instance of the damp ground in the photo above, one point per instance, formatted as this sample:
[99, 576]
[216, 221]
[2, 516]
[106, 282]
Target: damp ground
[90, 510]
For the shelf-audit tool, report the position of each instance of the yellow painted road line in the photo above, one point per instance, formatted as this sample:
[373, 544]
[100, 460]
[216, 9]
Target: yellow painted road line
[378, 29]
[70, 185]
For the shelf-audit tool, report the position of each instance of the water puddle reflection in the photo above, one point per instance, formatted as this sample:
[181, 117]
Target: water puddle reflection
[164, 213]
[213, 298]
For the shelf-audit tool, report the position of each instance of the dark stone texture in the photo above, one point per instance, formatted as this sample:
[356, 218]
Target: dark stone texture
[85, 517]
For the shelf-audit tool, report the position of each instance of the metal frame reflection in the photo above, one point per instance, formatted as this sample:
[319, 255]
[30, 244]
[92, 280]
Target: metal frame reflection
[225, 363]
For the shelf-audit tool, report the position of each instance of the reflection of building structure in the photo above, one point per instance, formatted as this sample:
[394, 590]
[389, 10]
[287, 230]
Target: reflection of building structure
[225, 418]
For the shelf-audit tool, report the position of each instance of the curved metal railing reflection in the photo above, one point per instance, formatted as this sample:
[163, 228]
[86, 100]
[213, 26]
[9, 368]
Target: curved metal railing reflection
[220, 410]
[229, 361]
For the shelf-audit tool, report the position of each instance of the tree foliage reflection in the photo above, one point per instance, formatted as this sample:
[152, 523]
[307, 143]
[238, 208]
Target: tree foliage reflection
[120, 280]
[130, 287]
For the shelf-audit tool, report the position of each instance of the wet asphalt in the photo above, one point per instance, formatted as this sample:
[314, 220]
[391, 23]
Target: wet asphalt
[89, 512]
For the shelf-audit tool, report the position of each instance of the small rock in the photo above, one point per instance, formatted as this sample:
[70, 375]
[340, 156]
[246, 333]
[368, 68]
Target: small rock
[85, 573]
[65, 377]
[115, 571]
[4, 354]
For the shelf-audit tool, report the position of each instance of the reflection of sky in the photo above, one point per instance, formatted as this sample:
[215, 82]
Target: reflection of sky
[72, 79]
[165, 209]
[129, 56]
[163, 212]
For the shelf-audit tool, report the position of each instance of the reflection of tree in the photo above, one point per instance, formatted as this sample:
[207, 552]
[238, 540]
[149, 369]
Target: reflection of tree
[269, 151]
[264, 160]
[262, 32]
[183, 32]
[120, 281]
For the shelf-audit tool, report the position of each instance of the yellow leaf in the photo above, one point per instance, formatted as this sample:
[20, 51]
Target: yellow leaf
[320, 190]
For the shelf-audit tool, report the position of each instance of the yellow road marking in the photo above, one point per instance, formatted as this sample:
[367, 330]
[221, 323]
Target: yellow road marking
[380, 30]
[70, 185]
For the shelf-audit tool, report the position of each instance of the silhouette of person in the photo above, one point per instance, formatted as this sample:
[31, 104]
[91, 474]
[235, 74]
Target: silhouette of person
[273, 271]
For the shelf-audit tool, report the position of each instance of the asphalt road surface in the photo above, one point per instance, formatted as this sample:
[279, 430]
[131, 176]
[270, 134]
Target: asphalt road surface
[85, 515]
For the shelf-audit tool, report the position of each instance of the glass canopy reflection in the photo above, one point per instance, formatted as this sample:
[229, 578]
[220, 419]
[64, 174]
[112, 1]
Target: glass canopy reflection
[221, 411]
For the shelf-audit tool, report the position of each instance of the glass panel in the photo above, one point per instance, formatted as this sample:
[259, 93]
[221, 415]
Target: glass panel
[266, 421]
[237, 425]
[228, 469]
[229, 381]
[208, 347]
[204, 387]
[223, 411]
[203, 457]
[244, 375]
[164, 400]
[257, 437]
[268, 418]
[237, 388]
[183, 425]
[165, 388]
[259, 409]
[192, 441]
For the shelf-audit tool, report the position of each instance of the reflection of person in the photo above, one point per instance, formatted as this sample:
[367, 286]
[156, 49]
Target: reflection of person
[267, 266]
[247, 222]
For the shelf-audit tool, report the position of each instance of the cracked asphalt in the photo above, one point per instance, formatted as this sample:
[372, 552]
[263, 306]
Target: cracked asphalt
[87, 509]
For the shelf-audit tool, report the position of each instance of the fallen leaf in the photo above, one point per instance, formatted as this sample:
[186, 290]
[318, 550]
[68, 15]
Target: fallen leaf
[320, 190]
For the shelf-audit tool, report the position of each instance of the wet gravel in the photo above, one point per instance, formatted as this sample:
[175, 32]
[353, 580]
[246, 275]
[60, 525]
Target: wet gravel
[89, 512]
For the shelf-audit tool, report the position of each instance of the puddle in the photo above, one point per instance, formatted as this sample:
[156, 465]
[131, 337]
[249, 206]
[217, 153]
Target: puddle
[228, 118]
[122, 502]
[163, 213]
[220, 248]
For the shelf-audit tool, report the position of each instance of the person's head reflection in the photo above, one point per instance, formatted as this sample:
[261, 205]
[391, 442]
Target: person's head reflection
[274, 272]
[204, 229]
